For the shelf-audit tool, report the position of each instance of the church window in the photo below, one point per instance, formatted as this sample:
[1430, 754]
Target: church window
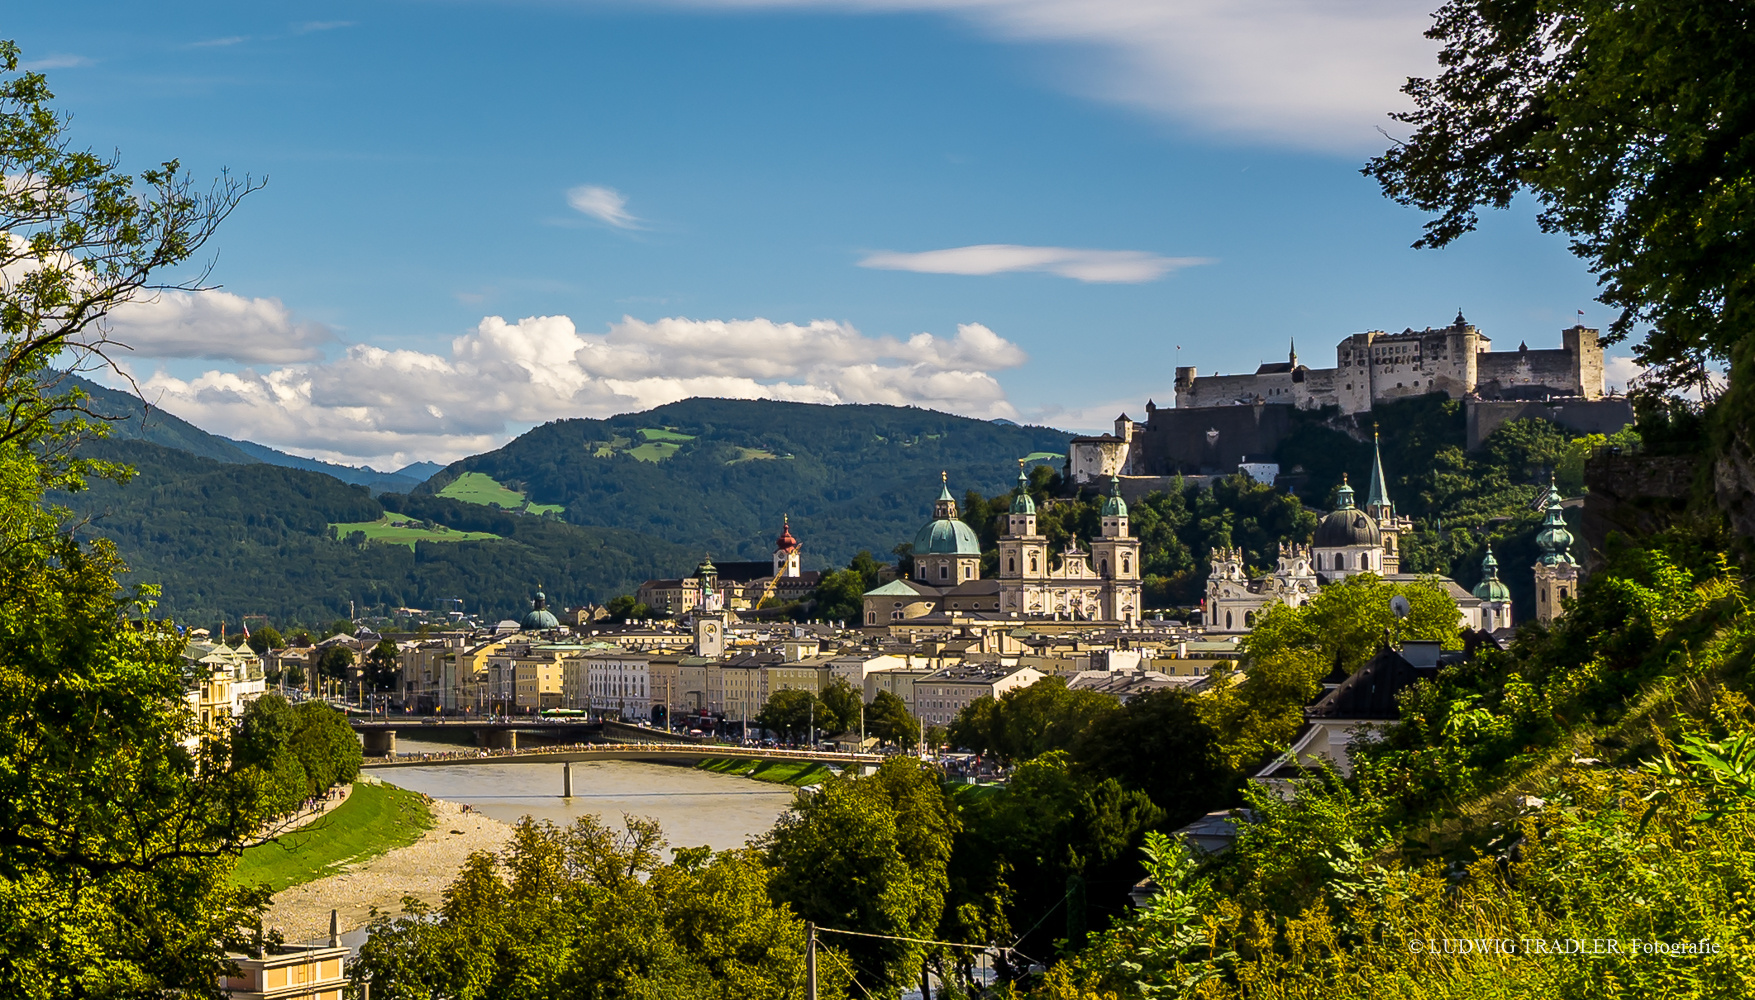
[896, 616]
[1227, 619]
[944, 572]
[1011, 565]
[968, 572]
[1032, 564]
[1103, 567]
[1563, 593]
[1126, 565]
[1319, 560]
[1248, 619]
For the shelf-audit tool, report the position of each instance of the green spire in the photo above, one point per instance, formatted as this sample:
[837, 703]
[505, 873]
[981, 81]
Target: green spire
[1490, 588]
[1554, 540]
[1344, 495]
[944, 487]
[1378, 495]
[1114, 506]
[1022, 504]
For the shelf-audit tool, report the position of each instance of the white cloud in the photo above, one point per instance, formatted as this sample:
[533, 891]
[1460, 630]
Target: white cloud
[54, 61]
[1618, 371]
[310, 26]
[1311, 73]
[218, 325]
[1107, 266]
[604, 204]
[387, 407]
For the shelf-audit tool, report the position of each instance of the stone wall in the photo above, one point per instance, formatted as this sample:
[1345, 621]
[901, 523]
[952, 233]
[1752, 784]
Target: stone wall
[1212, 440]
[1586, 416]
[1634, 494]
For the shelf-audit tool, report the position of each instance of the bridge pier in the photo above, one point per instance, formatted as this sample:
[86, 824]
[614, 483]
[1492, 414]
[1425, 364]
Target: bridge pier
[497, 739]
[567, 780]
[379, 742]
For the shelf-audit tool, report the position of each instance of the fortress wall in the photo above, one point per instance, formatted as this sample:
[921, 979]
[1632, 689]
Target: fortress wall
[1176, 440]
[1586, 416]
[1556, 369]
[1223, 390]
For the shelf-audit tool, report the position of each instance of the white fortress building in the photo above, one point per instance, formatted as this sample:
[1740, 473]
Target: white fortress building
[1376, 367]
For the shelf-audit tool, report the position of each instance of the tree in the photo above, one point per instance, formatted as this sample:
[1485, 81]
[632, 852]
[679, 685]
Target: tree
[1291, 649]
[1161, 744]
[790, 712]
[1027, 722]
[1629, 124]
[335, 662]
[888, 719]
[120, 816]
[626, 609]
[839, 707]
[869, 854]
[838, 596]
[381, 665]
[264, 639]
[588, 911]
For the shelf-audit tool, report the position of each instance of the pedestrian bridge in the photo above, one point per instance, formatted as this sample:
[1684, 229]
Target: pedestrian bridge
[676, 753]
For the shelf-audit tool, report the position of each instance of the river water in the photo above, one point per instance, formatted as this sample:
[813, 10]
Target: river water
[695, 807]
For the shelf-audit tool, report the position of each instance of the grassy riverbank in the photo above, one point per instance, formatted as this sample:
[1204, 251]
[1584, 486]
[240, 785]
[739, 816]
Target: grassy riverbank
[375, 819]
[797, 773]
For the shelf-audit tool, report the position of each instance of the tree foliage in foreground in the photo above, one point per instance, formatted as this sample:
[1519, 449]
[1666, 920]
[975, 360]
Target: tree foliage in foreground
[119, 817]
[593, 913]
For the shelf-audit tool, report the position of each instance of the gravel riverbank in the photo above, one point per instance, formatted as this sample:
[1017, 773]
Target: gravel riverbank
[422, 869]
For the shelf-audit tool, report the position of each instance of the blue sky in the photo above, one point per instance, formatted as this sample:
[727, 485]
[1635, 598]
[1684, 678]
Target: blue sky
[483, 215]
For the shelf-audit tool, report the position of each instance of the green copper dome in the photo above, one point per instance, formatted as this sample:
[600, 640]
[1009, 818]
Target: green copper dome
[1490, 589]
[1344, 495]
[1114, 506]
[540, 618]
[945, 535]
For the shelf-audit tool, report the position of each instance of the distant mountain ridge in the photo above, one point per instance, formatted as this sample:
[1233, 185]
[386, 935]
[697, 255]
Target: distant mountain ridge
[134, 418]
[718, 475]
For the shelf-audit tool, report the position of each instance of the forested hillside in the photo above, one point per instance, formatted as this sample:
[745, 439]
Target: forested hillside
[716, 475]
[226, 540]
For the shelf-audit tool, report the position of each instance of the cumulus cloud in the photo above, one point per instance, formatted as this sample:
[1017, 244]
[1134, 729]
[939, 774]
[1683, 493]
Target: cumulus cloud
[1310, 73]
[604, 204]
[1619, 371]
[389, 407]
[1106, 266]
[217, 325]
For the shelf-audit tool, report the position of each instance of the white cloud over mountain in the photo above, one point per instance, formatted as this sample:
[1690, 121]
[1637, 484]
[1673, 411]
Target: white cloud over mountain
[1317, 74]
[387, 407]
[217, 325]
[1130, 267]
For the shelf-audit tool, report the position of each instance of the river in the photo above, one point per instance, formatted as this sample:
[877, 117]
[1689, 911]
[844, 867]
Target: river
[694, 807]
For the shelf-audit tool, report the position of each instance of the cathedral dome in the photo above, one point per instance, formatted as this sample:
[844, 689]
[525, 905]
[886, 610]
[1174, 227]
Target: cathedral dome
[1347, 526]
[540, 618]
[946, 536]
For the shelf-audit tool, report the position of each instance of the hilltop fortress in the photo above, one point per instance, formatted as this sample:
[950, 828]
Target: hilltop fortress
[1227, 423]
[1377, 367]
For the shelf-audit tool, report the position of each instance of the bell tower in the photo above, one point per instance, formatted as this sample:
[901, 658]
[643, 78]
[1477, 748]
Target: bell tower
[786, 547]
[1556, 572]
[1117, 558]
[1023, 554]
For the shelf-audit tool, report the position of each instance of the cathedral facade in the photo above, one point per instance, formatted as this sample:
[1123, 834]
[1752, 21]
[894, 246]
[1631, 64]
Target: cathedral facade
[1102, 583]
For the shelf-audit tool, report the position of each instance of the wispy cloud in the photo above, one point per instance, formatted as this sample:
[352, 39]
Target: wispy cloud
[219, 43]
[1309, 73]
[1128, 267]
[605, 204]
[310, 26]
[55, 61]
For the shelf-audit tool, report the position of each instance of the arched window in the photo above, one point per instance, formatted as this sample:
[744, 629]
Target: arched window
[1248, 619]
[1319, 560]
[1563, 593]
[1227, 619]
[1032, 564]
[896, 616]
[1103, 567]
[1011, 565]
[1126, 565]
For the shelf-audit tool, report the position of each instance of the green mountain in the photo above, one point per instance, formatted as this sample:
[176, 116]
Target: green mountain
[134, 419]
[717, 475]
[224, 540]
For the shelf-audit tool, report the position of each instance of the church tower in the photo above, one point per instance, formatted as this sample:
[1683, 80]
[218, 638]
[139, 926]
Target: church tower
[1495, 596]
[1556, 573]
[786, 562]
[1390, 527]
[946, 551]
[1118, 560]
[1023, 554]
